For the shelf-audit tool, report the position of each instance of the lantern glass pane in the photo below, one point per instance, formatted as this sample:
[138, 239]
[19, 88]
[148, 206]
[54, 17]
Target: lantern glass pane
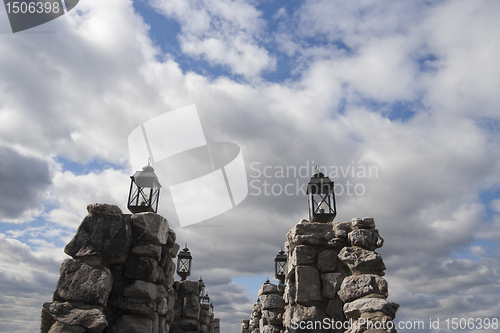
[280, 268]
[184, 266]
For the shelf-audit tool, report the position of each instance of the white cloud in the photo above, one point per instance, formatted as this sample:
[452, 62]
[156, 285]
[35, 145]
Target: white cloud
[72, 193]
[221, 32]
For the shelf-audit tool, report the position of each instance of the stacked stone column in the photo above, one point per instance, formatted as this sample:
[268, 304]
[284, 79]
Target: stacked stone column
[119, 278]
[216, 326]
[272, 308]
[206, 319]
[187, 307]
[255, 318]
[313, 277]
[365, 291]
[333, 276]
[245, 326]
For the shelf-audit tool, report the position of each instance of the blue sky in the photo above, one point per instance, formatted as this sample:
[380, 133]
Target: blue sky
[410, 88]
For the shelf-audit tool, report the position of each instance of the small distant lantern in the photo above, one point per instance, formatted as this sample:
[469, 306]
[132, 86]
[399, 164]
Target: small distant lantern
[211, 308]
[322, 206]
[184, 260]
[205, 299]
[202, 288]
[280, 266]
[144, 191]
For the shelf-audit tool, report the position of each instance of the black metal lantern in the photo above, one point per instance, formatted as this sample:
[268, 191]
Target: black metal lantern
[280, 266]
[322, 206]
[211, 308]
[144, 191]
[184, 260]
[202, 287]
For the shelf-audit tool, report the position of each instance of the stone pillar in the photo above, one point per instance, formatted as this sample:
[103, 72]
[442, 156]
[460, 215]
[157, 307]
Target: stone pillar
[120, 275]
[365, 291]
[216, 326]
[187, 307]
[272, 308]
[321, 257]
[206, 318]
[255, 317]
[245, 326]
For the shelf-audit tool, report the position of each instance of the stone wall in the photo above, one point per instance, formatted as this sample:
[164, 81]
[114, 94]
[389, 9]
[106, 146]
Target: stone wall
[121, 279]
[334, 275]
[245, 326]
[187, 307]
[272, 308]
[365, 292]
[255, 317]
[216, 326]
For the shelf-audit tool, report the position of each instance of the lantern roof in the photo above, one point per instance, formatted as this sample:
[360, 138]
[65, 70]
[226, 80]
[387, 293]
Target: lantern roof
[281, 256]
[319, 184]
[147, 177]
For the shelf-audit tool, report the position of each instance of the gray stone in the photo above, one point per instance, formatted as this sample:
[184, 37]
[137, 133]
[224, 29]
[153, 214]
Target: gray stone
[336, 243]
[269, 302]
[191, 306]
[174, 250]
[303, 255]
[355, 308]
[290, 272]
[268, 288]
[358, 286]
[363, 223]
[104, 209]
[327, 261]
[289, 294]
[361, 261]
[187, 324]
[270, 329]
[331, 284]
[149, 250]
[132, 324]
[335, 309]
[341, 229]
[58, 327]
[368, 239]
[89, 317]
[189, 287]
[155, 323]
[144, 268]
[150, 228]
[47, 319]
[310, 234]
[169, 270]
[81, 282]
[134, 305]
[101, 237]
[161, 292]
[141, 289]
[273, 317]
[308, 286]
[301, 313]
[281, 288]
[162, 306]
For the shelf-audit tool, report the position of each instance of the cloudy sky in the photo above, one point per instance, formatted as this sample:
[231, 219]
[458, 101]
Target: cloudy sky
[398, 100]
